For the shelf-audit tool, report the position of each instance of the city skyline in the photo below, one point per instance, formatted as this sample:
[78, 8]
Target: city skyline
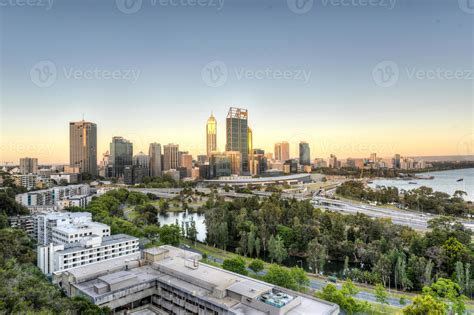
[332, 99]
[196, 145]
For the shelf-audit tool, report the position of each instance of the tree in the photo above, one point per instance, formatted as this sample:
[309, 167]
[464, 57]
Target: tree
[280, 276]
[192, 232]
[256, 265]
[425, 304]
[236, 264]
[276, 249]
[381, 294]
[344, 298]
[447, 289]
[169, 234]
[300, 277]
[316, 256]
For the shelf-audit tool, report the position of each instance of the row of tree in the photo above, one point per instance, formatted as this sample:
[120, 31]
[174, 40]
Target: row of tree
[377, 250]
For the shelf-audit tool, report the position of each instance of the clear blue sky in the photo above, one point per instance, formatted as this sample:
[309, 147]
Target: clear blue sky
[339, 109]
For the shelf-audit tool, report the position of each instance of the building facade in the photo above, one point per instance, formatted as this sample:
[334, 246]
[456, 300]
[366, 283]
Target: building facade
[53, 258]
[28, 166]
[282, 151]
[83, 146]
[305, 153]
[154, 152]
[121, 155]
[171, 159]
[237, 135]
[211, 135]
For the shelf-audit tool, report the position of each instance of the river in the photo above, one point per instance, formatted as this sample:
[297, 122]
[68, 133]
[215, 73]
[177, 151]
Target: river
[444, 181]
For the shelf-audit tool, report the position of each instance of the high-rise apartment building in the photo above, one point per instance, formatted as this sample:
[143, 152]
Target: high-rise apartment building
[187, 163]
[28, 166]
[171, 160]
[121, 153]
[282, 151]
[305, 154]
[83, 146]
[211, 135]
[154, 152]
[237, 135]
[333, 162]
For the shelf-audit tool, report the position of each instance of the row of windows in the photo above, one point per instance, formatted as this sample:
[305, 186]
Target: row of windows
[101, 249]
[90, 260]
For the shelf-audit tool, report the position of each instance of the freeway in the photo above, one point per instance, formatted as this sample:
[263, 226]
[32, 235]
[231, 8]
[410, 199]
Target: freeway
[413, 219]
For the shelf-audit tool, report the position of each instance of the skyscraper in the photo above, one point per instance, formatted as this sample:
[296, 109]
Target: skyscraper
[282, 151]
[171, 160]
[83, 146]
[141, 160]
[121, 153]
[250, 150]
[237, 134]
[28, 166]
[305, 155]
[211, 135]
[154, 152]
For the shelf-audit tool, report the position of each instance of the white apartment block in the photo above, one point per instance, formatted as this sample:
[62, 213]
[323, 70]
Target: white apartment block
[89, 250]
[68, 234]
[51, 197]
[74, 201]
[45, 223]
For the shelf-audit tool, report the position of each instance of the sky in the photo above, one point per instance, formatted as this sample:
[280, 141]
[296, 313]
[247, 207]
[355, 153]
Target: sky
[350, 77]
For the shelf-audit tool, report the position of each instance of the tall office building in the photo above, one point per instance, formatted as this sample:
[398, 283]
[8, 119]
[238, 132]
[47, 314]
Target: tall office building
[28, 166]
[235, 162]
[211, 135]
[154, 152]
[397, 161]
[141, 160]
[186, 162]
[237, 134]
[282, 151]
[333, 162]
[250, 150]
[305, 155]
[121, 153]
[373, 158]
[171, 160]
[83, 146]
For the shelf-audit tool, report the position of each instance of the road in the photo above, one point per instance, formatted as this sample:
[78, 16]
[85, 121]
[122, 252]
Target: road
[413, 219]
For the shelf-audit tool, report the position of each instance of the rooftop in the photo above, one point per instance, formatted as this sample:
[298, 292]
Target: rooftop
[215, 285]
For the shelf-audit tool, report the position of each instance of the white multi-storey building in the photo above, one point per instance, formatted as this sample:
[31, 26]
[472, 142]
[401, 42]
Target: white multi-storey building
[89, 250]
[45, 223]
[50, 197]
[74, 201]
[68, 234]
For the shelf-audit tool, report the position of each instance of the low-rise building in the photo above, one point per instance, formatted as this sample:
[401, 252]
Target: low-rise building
[74, 201]
[169, 280]
[51, 197]
[89, 250]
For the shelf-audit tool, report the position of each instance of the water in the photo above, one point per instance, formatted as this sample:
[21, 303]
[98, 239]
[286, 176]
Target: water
[170, 218]
[444, 181]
